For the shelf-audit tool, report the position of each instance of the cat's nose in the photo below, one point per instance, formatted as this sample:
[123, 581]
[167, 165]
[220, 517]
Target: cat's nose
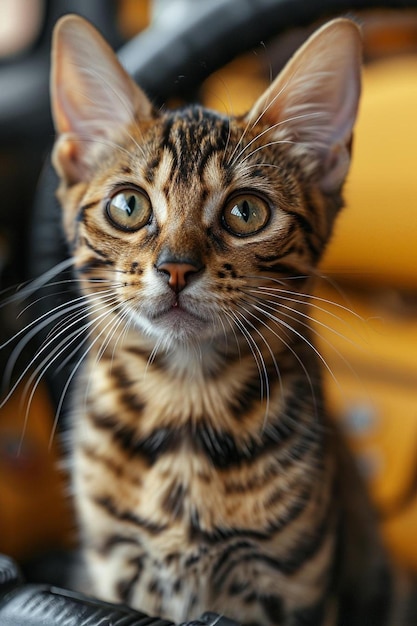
[178, 273]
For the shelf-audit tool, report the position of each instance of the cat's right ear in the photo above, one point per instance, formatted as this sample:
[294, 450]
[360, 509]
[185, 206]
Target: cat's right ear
[94, 100]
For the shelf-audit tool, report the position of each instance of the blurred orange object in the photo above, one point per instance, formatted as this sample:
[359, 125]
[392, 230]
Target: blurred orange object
[34, 513]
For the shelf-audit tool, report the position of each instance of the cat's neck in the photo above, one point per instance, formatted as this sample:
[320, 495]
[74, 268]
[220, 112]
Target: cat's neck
[192, 362]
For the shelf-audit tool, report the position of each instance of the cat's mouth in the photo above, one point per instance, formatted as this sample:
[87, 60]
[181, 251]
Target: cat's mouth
[180, 319]
[177, 310]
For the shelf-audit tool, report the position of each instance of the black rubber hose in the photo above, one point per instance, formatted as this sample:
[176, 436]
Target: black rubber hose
[44, 605]
[169, 62]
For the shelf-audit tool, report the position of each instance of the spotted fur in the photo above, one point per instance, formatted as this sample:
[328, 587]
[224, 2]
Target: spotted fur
[207, 475]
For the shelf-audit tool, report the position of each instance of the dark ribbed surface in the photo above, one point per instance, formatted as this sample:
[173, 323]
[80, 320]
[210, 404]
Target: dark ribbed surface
[10, 575]
[39, 605]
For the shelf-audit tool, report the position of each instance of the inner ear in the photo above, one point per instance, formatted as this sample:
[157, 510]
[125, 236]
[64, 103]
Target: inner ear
[313, 102]
[93, 98]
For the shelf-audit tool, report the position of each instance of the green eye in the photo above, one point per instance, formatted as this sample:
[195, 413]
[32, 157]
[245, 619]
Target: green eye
[129, 209]
[245, 215]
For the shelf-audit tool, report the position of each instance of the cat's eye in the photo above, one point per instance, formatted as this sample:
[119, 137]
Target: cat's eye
[129, 209]
[245, 215]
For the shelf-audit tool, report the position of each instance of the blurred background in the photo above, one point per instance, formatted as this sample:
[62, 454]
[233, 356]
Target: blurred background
[366, 300]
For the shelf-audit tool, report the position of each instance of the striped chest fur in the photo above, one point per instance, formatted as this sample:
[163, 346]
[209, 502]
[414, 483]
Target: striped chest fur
[191, 503]
[206, 474]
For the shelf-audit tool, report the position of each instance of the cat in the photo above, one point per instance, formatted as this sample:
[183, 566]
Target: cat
[207, 475]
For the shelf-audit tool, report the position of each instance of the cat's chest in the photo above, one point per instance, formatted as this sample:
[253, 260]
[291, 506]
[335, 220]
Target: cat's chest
[175, 454]
[185, 583]
[170, 490]
[148, 393]
[182, 504]
[176, 521]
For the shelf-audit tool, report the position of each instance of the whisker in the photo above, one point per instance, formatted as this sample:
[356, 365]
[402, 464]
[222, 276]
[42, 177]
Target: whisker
[309, 296]
[320, 336]
[122, 314]
[257, 354]
[105, 142]
[77, 366]
[265, 342]
[232, 328]
[280, 321]
[226, 147]
[34, 328]
[278, 303]
[226, 337]
[152, 355]
[37, 375]
[294, 353]
[231, 158]
[26, 289]
[92, 281]
[267, 145]
[118, 321]
[106, 304]
[23, 342]
[49, 315]
[252, 123]
[263, 165]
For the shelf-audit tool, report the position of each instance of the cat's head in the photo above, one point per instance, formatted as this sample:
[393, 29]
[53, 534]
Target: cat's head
[188, 224]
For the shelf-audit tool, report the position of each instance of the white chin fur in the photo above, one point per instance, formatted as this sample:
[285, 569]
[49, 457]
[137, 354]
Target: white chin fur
[175, 328]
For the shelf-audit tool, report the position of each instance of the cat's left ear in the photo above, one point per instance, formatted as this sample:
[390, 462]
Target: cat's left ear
[94, 100]
[313, 102]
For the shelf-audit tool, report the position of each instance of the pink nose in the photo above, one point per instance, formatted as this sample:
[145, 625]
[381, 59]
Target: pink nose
[178, 274]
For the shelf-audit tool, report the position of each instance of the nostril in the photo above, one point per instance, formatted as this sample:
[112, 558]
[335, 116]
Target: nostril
[178, 273]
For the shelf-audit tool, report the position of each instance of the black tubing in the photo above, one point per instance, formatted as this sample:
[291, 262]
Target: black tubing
[169, 63]
[44, 605]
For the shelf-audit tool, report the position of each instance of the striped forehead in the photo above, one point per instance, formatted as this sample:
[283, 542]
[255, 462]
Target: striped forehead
[189, 140]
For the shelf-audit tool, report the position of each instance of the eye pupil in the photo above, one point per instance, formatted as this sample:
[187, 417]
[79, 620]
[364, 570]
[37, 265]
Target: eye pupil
[131, 204]
[245, 210]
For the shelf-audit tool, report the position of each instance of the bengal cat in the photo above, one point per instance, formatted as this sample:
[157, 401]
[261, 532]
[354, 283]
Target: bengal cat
[206, 473]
